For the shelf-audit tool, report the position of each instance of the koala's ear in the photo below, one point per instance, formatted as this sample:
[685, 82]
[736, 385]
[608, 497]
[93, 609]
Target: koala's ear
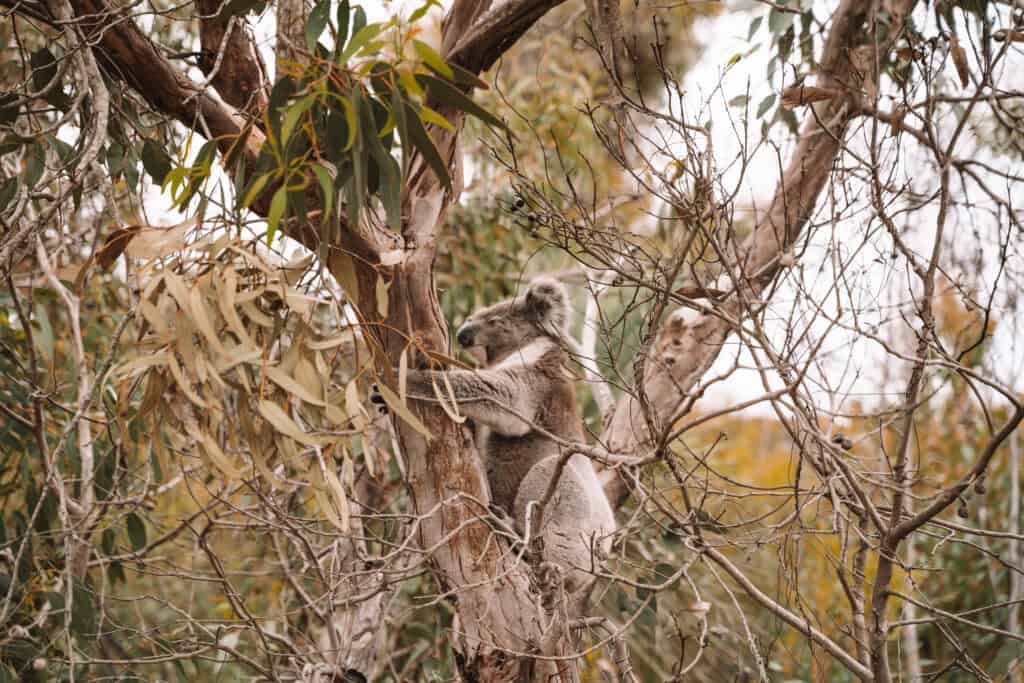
[546, 301]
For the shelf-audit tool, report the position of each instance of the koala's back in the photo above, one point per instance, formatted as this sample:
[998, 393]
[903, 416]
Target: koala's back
[510, 458]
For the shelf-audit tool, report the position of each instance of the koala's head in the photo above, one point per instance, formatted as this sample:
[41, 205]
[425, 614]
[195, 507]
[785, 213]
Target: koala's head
[496, 331]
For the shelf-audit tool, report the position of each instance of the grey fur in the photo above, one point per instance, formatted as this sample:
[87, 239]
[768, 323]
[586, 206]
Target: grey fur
[522, 392]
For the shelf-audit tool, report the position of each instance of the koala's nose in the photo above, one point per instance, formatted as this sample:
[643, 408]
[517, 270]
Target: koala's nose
[465, 337]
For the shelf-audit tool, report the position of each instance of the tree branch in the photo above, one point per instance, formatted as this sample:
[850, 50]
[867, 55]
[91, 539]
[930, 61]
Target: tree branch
[230, 59]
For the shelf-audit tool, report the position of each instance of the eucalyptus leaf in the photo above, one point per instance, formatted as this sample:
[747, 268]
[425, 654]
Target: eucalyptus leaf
[448, 94]
[316, 23]
[136, 531]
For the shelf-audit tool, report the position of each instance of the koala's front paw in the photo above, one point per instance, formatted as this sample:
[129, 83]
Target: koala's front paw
[377, 399]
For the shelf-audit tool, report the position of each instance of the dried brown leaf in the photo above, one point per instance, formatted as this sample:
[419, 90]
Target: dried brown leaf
[959, 60]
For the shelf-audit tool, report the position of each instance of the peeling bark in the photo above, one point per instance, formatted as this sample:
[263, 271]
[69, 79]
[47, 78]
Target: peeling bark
[499, 613]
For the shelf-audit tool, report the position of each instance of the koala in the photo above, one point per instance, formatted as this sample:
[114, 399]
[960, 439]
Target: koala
[521, 395]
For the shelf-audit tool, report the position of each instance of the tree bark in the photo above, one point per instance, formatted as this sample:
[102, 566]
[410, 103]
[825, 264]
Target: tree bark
[499, 613]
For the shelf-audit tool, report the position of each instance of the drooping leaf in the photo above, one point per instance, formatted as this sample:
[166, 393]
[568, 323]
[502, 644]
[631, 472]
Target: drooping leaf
[432, 59]
[8, 190]
[358, 19]
[83, 612]
[156, 161]
[292, 116]
[323, 176]
[422, 141]
[36, 166]
[255, 189]
[388, 184]
[280, 421]
[430, 116]
[277, 206]
[316, 23]
[44, 71]
[365, 35]
[397, 407]
[342, 21]
[136, 531]
[338, 135]
[448, 94]
[217, 456]
[8, 108]
[289, 384]
[779, 21]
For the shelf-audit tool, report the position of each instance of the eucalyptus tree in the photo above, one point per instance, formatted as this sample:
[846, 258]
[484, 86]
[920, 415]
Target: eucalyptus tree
[196, 484]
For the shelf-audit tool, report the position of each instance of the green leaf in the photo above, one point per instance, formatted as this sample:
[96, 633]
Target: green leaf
[115, 572]
[136, 531]
[467, 79]
[255, 189]
[389, 181]
[83, 613]
[115, 159]
[56, 601]
[399, 114]
[432, 59]
[7, 192]
[358, 19]
[339, 135]
[419, 137]
[365, 35]
[356, 187]
[35, 166]
[291, 117]
[754, 25]
[350, 120]
[156, 161]
[65, 152]
[380, 77]
[44, 68]
[739, 101]
[452, 96]
[8, 108]
[342, 19]
[326, 187]
[780, 21]
[316, 23]
[420, 11]
[281, 93]
[107, 541]
[428, 115]
[277, 205]
[765, 105]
